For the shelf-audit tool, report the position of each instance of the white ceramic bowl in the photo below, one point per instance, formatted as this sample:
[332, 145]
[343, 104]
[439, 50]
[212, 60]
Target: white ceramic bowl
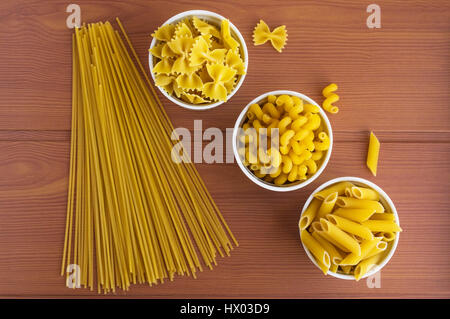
[387, 203]
[214, 19]
[292, 186]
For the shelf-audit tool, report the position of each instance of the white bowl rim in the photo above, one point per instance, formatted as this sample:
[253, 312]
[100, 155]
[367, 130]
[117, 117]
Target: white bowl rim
[383, 195]
[256, 180]
[197, 107]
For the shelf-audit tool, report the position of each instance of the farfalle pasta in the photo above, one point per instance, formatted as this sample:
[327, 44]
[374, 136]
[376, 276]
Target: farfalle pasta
[196, 61]
[283, 141]
[277, 37]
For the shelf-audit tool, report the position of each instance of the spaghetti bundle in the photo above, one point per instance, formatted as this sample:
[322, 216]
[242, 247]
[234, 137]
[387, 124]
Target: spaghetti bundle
[133, 215]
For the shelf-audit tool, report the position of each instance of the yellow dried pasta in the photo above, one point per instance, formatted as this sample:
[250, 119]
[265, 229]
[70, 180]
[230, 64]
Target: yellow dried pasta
[359, 228]
[272, 120]
[220, 75]
[183, 53]
[262, 34]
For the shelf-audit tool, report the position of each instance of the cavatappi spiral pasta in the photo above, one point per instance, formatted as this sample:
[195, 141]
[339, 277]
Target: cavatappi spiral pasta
[330, 98]
[350, 224]
[283, 140]
[133, 215]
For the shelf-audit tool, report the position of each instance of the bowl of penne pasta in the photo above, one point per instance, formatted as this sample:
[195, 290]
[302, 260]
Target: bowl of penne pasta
[349, 228]
[198, 59]
[282, 140]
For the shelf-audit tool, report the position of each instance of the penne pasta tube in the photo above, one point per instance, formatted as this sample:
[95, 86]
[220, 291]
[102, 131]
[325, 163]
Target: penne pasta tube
[364, 193]
[356, 214]
[340, 236]
[383, 216]
[382, 226]
[335, 255]
[309, 214]
[327, 205]
[373, 153]
[346, 269]
[347, 202]
[351, 227]
[317, 227]
[380, 247]
[348, 192]
[339, 188]
[366, 247]
[388, 236]
[315, 248]
[365, 266]
[322, 267]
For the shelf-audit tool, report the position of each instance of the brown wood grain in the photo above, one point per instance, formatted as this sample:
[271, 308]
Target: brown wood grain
[394, 80]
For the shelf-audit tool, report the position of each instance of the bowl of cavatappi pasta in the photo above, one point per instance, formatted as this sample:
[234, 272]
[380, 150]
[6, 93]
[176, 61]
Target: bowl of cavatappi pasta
[198, 59]
[282, 140]
[349, 228]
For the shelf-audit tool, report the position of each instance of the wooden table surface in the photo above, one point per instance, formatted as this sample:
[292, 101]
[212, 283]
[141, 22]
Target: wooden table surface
[393, 80]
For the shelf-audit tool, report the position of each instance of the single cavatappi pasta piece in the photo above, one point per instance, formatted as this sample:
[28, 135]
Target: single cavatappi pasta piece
[352, 224]
[330, 98]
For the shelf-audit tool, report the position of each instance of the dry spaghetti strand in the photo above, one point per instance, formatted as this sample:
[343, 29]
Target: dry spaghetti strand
[133, 215]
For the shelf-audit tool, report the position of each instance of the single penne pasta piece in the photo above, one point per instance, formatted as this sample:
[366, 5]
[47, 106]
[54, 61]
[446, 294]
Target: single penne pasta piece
[373, 153]
[358, 239]
[322, 267]
[335, 255]
[348, 192]
[315, 248]
[387, 236]
[364, 193]
[339, 188]
[327, 205]
[356, 214]
[309, 214]
[346, 269]
[348, 202]
[380, 247]
[383, 216]
[350, 226]
[340, 236]
[366, 247]
[317, 227]
[382, 226]
[365, 266]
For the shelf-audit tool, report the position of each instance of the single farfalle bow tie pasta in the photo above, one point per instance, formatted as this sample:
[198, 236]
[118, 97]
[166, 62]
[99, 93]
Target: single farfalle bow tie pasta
[277, 37]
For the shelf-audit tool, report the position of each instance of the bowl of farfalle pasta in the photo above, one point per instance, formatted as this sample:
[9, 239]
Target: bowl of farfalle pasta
[282, 140]
[349, 228]
[198, 59]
